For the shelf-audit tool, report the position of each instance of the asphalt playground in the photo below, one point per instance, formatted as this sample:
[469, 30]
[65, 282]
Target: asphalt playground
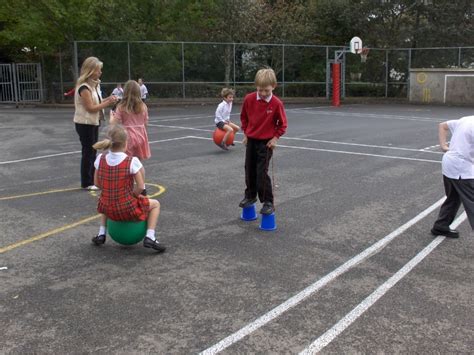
[351, 268]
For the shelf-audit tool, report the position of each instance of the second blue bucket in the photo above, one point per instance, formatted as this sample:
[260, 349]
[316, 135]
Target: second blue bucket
[249, 213]
[268, 222]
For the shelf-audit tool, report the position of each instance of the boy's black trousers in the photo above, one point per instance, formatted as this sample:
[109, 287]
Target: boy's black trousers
[257, 160]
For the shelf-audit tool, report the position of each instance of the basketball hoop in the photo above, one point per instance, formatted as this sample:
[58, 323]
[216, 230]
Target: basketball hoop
[364, 52]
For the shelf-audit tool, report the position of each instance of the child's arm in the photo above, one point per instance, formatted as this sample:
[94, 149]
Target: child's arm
[89, 103]
[280, 126]
[139, 182]
[116, 117]
[443, 130]
[244, 120]
[96, 179]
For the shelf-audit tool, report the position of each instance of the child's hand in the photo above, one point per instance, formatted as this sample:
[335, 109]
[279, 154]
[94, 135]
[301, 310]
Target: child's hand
[244, 140]
[272, 143]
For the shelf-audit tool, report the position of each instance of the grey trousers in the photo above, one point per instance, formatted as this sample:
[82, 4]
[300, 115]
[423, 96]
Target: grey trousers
[457, 191]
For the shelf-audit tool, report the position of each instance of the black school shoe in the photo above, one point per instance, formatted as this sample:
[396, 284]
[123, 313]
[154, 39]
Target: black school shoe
[154, 244]
[99, 239]
[247, 202]
[143, 193]
[267, 208]
[448, 233]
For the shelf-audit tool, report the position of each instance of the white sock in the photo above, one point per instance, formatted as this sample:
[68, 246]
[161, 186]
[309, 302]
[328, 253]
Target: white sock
[102, 230]
[150, 233]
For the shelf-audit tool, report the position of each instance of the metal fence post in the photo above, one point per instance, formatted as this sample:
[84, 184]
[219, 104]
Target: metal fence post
[128, 60]
[76, 62]
[61, 75]
[408, 76]
[283, 69]
[459, 57]
[234, 63]
[182, 69]
[386, 73]
[327, 73]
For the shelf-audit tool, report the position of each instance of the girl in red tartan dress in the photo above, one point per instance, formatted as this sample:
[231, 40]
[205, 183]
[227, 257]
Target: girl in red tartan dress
[120, 178]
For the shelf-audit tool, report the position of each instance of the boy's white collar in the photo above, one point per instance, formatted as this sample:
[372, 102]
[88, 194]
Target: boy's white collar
[266, 99]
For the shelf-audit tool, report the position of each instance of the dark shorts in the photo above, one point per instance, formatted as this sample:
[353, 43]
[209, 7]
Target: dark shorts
[220, 124]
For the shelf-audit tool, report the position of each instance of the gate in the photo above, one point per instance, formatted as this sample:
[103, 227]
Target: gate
[21, 82]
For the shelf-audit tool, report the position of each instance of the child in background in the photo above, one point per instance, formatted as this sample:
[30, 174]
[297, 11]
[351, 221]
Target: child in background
[143, 90]
[118, 91]
[263, 120]
[120, 178]
[222, 119]
[132, 113]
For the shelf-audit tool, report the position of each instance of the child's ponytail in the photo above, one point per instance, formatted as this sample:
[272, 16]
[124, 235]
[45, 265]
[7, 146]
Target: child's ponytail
[116, 139]
[103, 144]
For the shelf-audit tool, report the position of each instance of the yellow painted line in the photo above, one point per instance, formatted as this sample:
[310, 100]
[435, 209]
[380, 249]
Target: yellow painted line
[161, 190]
[38, 193]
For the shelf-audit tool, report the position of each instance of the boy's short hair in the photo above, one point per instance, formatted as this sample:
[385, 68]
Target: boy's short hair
[226, 92]
[265, 77]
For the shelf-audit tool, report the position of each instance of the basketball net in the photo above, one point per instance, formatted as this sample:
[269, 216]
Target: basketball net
[364, 52]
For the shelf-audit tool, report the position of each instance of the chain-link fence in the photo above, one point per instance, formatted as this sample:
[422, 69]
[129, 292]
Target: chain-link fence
[201, 69]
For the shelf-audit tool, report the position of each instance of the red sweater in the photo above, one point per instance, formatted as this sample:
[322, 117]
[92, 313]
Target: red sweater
[262, 120]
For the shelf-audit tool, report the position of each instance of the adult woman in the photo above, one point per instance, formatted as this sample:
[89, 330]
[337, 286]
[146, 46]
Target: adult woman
[89, 111]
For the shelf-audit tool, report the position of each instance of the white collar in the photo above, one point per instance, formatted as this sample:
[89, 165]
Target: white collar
[266, 99]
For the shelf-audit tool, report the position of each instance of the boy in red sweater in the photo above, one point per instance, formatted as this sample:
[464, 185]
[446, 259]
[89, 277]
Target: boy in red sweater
[263, 120]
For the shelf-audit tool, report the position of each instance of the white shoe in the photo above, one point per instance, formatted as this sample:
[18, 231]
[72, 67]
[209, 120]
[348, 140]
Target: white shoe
[92, 188]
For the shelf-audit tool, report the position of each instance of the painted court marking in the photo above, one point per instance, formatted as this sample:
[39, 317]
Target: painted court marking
[343, 152]
[316, 286]
[47, 234]
[38, 193]
[350, 317]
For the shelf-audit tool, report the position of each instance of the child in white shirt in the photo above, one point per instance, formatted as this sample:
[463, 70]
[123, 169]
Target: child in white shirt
[222, 119]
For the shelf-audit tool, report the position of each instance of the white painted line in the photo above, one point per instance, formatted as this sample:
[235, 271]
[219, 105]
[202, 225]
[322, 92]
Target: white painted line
[40, 157]
[304, 139]
[343, 152]
[3, 268]
[345, 114]
[356, 144]
[170, 139]
[308, 291]
[74, 152]
[356, 153]
[349, 318]
[181, 127]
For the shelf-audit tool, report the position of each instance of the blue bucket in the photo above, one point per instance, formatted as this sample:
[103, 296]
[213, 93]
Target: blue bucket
[268, 222]
[249, 213]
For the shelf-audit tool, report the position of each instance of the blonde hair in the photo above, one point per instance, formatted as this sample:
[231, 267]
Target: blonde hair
[89, 66]
[265, 77]
[226, 92]
[116, 139]
[132, 100]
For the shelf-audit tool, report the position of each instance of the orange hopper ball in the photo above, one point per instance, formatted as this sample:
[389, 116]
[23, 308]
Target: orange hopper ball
[218, 135]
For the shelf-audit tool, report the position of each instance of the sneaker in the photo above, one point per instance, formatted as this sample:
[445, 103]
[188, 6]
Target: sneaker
[143, 193]
[223, 145]
[267, 208]
[154, 244]
[92, 188]
[448, 233]
[99, 239]
[247, 202]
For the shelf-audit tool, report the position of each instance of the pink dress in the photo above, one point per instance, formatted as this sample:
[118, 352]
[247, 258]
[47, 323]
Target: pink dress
[134, 123]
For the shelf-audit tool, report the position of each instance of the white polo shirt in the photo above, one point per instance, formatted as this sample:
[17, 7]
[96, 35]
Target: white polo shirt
[223, 112]
[458, 161]
[143, 91]
[114, 159]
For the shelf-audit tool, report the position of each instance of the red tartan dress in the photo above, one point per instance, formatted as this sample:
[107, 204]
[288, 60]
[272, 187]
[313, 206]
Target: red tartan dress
[117, 200]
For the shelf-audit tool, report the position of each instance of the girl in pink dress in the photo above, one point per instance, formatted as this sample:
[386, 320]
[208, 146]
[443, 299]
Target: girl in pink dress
[132, 114]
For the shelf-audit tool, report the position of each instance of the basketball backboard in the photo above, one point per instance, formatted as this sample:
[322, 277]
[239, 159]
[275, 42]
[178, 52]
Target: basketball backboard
[356, 45]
